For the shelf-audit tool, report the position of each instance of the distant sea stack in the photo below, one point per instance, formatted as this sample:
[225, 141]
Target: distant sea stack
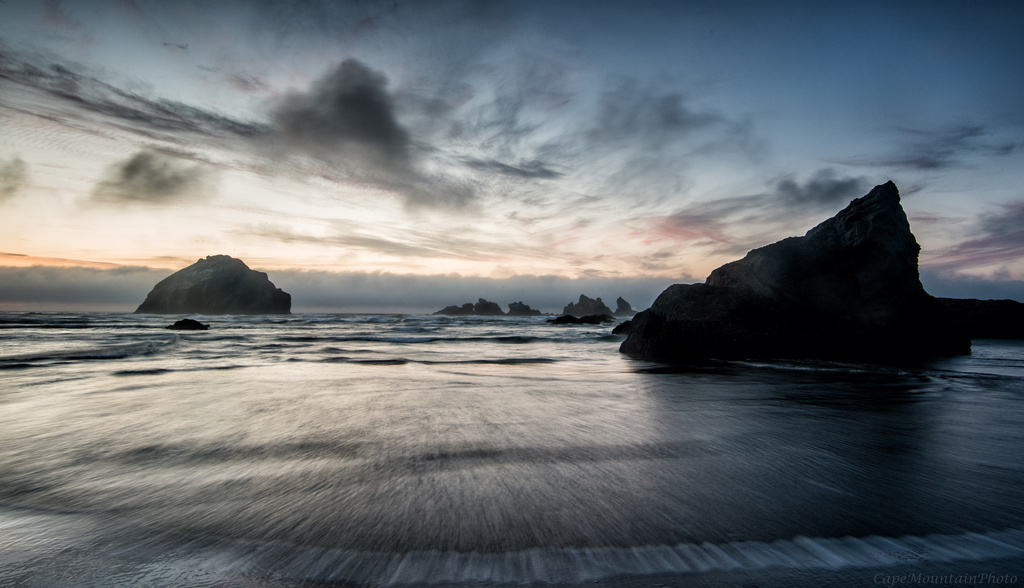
[218, 284]
[481, 308]
[586, 307]
[848, 289]
[623, 308]
[520, 309]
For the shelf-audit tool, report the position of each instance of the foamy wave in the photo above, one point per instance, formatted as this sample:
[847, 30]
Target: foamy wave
[92, 353]
[36, 533]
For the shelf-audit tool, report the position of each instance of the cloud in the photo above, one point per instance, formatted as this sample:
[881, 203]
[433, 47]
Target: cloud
[426, 244]
[347, 118]
[347, 113]
[76, 288]
[997, 238]
[12, 176]
[935, 149]
[638, 116]
[768, 213]
[527, 170]
[641, 139]
[946, 284]
[824, 188]
[79, 93]
[152, 177]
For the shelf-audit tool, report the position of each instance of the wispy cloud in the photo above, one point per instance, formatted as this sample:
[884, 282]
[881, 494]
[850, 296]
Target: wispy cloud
[941, 148]
[997, 239]
[715, 222]
[153, 177]
[13, 173]
[824, 188]
[427, 244]
[80, 93]
[527, 169]
[632, 114]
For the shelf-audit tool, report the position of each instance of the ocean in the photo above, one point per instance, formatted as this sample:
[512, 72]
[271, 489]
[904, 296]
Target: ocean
[333, 449]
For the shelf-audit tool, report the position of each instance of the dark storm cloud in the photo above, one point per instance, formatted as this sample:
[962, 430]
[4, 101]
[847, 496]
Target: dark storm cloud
[12, 176]
[528, 169]
[347, 119]
[79, 91]
[998, 238]
[152, 177]
[348, 112]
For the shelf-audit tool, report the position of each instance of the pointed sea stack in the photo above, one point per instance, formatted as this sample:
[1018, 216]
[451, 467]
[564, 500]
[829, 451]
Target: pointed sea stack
[218, 284]
[586, 306]
[623, 308]
[848, 290]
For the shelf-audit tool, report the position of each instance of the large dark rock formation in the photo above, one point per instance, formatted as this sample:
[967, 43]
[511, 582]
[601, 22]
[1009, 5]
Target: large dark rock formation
[216, 285]
[623, 308]
[848, 289]
[987, 319]
[586, 306]
[520, 309]
[482, 308]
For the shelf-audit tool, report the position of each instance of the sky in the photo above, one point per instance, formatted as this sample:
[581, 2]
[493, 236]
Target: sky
[375, 156]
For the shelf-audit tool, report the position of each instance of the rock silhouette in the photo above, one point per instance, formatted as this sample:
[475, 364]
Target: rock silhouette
[188, 325]
[481, 308]
[218, 284]
[622, 308]
[586, 306]
[592, 319]
[520, 309]
[849, 289]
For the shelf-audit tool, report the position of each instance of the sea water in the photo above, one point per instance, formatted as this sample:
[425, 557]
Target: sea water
[408, 449]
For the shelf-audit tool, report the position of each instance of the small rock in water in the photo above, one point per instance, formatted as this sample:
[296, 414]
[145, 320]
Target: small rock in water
[188, 325]
[593, 319]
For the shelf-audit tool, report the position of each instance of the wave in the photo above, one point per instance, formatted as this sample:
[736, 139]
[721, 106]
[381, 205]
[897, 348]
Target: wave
[499, 339]
[403, 361]
[107, 352]
[140, 551]
[159, 371]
